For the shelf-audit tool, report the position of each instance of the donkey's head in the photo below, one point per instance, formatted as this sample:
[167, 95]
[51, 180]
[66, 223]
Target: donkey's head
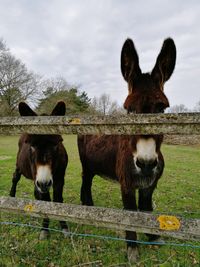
[42, 150]
[146, 95]
[146, 90]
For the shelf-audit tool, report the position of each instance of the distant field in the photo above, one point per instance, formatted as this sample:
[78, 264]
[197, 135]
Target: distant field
[178, 192]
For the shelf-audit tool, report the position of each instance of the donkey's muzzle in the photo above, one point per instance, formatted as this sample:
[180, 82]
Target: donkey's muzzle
[146, 166]
[43, 187]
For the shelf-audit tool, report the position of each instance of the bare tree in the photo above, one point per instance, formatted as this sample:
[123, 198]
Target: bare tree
[178, 109]
[197, 107]
[104, 105]
[54, 85]
[16, 82]
[3, 46]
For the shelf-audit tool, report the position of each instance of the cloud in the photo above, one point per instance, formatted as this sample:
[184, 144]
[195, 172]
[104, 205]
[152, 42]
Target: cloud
[82, 40]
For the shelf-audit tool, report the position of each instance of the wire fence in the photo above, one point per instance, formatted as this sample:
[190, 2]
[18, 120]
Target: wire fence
[84, 246]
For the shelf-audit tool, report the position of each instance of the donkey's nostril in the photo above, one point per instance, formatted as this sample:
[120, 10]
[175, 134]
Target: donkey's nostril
[43, 186]
[140, 163]
[154, 163]
[49, 183]
[146, 165]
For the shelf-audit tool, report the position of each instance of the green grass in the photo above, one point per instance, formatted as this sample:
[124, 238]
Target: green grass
[178, 192]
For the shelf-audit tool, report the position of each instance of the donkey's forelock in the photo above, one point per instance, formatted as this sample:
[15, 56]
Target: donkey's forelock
[43, 140]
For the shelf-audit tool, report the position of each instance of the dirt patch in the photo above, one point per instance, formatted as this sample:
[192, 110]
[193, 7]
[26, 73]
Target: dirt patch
[5, 157]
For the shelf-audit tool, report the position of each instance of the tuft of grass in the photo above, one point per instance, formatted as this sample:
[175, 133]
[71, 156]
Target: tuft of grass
[178, 192]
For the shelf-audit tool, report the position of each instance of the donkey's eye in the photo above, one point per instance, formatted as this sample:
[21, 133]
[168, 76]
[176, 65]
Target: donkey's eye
[159, 111]
[131, 110]
[32, 153]
[32, 149]
[159, 108]
[140, 163]
[55, 148]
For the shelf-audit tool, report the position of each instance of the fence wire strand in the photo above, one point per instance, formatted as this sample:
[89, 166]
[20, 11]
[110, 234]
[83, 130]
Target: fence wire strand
[71, 234]
[36, 253]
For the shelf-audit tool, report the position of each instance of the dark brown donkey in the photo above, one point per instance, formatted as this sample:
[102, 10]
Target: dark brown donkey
[43, 159]
[135, 161]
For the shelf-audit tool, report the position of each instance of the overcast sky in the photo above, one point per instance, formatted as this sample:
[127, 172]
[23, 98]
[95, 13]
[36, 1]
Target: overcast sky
[81, 40]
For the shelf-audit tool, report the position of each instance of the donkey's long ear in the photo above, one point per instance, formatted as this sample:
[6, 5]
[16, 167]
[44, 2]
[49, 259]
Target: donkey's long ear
[25, 110]
[165, 63]
[129, 61]
[59, 109]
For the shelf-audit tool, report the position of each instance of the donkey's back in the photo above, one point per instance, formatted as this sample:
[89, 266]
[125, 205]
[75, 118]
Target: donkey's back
[98, 154]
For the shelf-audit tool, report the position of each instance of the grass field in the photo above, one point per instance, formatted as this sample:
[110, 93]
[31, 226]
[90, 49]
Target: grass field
[178, 192]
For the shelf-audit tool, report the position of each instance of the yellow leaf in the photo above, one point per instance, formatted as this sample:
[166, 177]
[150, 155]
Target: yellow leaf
[168, 222]
[29, 208]
[75, 121]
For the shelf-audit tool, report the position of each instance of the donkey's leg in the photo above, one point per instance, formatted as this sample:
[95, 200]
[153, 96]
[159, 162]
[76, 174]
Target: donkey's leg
[44, 234]
[86, 188]
[15, 180]
[146, 204]
[129, 202]
[145, 199]
[58, 197]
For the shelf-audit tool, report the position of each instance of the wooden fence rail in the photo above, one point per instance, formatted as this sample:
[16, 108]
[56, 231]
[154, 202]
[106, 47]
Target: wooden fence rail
[185, 123]
[181, 228]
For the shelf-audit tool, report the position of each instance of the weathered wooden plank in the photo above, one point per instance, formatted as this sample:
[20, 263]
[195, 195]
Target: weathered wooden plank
[189, 229]
[185, 123]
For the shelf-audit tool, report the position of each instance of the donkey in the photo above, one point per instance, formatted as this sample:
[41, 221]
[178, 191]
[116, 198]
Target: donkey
[135, 161]
[43, 159]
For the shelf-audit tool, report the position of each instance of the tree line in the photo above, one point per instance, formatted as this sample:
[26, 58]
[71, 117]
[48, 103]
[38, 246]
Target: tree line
[182, 108]
[17, 83]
